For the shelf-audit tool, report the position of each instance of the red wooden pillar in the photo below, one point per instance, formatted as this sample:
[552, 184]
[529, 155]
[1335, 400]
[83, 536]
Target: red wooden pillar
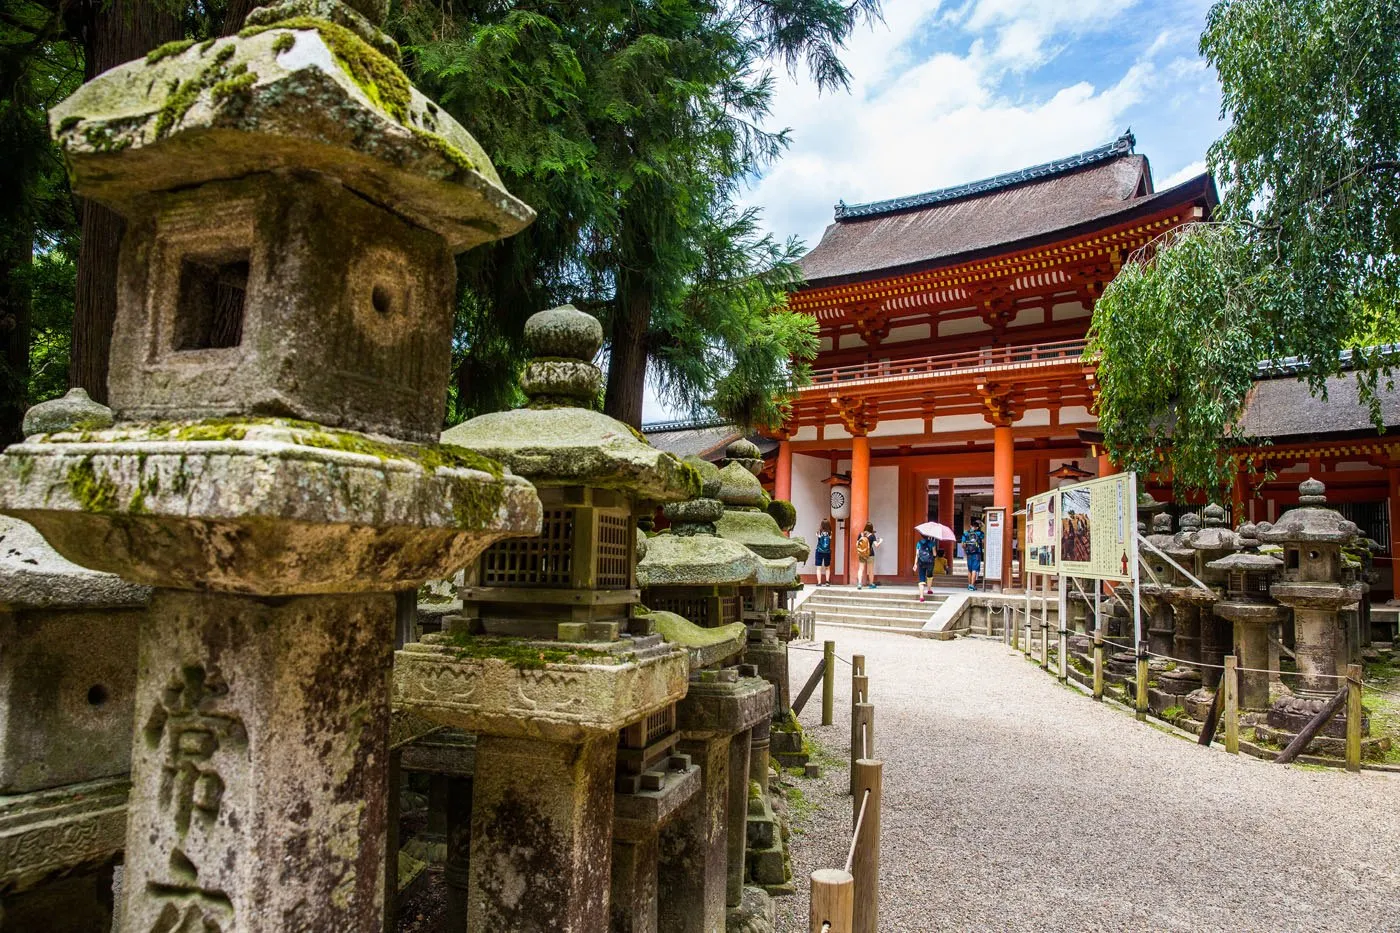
[1394, 502]
[1105, 464]
[946, 513]
[1004, 488]
[860, 498]
[782, 480]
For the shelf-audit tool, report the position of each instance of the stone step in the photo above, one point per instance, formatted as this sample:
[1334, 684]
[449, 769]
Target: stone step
[872, 621]
[879, 592]
[915, 610]
[816, 604]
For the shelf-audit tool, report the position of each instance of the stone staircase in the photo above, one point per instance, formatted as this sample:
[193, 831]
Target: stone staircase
[895, 608]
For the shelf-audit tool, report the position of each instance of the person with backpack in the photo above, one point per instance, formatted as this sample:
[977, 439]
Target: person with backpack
[973, 542]
[866, 544]
[925, 553]
[822, 553]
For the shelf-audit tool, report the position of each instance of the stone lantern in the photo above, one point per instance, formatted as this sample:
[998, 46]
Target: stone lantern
[279, 369]
[1247, 604]
[1186, 600]
[67, 694]
[1212, 542]
[1161, 623]
[571, 691]
[1310, 583]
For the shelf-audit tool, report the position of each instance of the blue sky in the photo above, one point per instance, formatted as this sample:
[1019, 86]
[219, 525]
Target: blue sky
[952, 91]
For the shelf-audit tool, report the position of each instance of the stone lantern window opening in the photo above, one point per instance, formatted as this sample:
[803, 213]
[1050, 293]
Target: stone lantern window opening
[1290, 558]
[213, 291]
[587, 542]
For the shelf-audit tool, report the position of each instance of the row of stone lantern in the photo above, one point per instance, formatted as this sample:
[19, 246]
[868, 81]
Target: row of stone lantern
[272, 477]
[1253, 605]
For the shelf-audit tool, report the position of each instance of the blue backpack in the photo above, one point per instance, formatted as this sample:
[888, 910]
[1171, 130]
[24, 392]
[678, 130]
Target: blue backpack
[824, 543]
[924, 550]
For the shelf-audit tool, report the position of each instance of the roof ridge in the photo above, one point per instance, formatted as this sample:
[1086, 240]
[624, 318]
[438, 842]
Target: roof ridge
[1121, 146]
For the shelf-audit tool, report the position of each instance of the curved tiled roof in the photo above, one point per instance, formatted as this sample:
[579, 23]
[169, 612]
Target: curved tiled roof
[950, 225]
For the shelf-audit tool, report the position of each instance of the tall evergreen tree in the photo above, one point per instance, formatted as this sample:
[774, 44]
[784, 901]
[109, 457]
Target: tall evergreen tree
[630, 126]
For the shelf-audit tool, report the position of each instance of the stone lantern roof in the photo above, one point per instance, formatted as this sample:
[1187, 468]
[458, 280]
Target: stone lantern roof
[1311, 520]
[309, 86]
[35, 576]
[1214, 536]
[745, 523]
[556, 440]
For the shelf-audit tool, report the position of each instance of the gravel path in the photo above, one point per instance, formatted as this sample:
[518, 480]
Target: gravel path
[1014, 803]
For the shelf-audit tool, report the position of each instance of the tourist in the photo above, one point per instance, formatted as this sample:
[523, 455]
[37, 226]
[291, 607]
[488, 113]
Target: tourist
[822, 553]
[925, 551]
[866, 545]
[972, 544]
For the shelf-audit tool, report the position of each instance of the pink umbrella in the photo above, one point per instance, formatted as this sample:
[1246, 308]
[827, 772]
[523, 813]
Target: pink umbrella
[935, 530]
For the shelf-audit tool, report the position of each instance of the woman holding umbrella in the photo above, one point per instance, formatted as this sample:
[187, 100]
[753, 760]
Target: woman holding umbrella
[926, 552]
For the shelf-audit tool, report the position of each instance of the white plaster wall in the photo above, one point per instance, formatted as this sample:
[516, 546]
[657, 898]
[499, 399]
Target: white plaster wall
[808, 432]
[811, 496]
[824, 344]
[1027, 316]
[1035, 417]
[899, 426]
[967, 325]
[908, 332]
[1076, 414]
[836, 432]
[1067, 310]
[851, 340]
[958, 423]
[884, 512]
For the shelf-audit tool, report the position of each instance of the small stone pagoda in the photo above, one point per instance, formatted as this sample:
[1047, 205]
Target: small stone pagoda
[1157, 578]
[570, 690]
[279, 369]
[1181, 679]
[1311, 584]
[67, 695]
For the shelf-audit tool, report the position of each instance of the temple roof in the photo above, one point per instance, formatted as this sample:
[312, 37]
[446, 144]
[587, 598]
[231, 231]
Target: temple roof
[1284, 407]
[1110, 184]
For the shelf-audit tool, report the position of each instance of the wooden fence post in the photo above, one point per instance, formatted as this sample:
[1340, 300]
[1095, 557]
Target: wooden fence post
[1142, 675]
[862, 736]
[1230, 683]
[828, 682]
[832, 893]
[857, 664]
[865, 861]
[1098, 659]
[1354, 717]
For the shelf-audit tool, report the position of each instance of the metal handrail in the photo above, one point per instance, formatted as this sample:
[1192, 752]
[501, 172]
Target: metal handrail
[947, 363]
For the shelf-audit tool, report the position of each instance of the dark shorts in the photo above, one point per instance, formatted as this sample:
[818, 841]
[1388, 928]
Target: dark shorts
[925, 571]
[823, 560]
[974, 563]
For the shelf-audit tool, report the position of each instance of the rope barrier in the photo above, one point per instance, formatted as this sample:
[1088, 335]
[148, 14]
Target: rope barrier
[855, 836]
[836, 656]
[1220, 667]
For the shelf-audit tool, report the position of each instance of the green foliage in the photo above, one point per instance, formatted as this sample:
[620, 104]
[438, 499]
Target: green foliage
[1303, 260]
[628, 126]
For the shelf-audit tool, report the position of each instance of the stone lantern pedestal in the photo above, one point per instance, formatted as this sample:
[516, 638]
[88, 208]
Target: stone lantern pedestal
[67, 689]
[1248, 607]
[279, 362]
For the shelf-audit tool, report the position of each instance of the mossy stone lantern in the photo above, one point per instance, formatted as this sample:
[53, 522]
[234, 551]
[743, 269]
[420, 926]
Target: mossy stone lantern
[1212, 542]
[1310, 583]
[278, 376]
[571, 692]
[1248, 606]
[1161, 623]
[1186, 600]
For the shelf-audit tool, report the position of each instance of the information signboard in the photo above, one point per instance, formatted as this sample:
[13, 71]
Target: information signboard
[995, 534]
[1086, 529]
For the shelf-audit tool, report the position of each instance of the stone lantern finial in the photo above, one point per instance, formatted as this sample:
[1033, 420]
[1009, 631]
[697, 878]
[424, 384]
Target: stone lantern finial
[75, 411]
[564, 341]
[1162, 523]
[1213, 515]
[1312, 492]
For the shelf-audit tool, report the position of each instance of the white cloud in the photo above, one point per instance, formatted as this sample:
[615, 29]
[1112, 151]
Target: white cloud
[1185, 173]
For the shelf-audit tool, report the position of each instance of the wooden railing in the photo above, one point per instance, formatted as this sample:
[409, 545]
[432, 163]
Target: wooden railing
[986, 358]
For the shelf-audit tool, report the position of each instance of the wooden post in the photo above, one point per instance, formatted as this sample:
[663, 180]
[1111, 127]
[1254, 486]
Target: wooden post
[1212, 718]
[1230, 683]
[805, 694]
[1098, 658]
[1062, 613]
[1354, 717]
[828, 682]
[858, 664]
[860, 697]
[1013, 630]
[865, 860]
[1309, 732]
[833, 891]
[860, 689]
[862, 736]
[1142, 674]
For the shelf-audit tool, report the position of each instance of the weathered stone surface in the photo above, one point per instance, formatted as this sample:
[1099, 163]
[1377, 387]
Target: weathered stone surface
[739, 487]
[711, 709]
[694, 511]
[564, 701]
[326, 105]
[541, 848]
[644, 813]
[334, 11]
[35, 576]
[272, 507]
[258, 771]
[574, 446]
[693, 848]
[759, 533]
[706, 646]
[672, 560]
[73, 410]
[709, 476]
[564, 331]
[53, 832]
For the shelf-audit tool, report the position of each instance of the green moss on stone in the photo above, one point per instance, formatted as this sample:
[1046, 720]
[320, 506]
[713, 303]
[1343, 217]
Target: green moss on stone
[95, 492]
[102, 139]
[237, 86]
[1172, 713]
[284, 43]
[165, 51]
[525, 655]
[445, 149]
[184, 94]
[67, 123]
[207, 44]
[383, 82]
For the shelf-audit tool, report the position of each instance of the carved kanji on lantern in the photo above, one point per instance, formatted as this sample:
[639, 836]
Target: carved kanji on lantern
[1003, 405]
[859, 415]
[872, 322]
